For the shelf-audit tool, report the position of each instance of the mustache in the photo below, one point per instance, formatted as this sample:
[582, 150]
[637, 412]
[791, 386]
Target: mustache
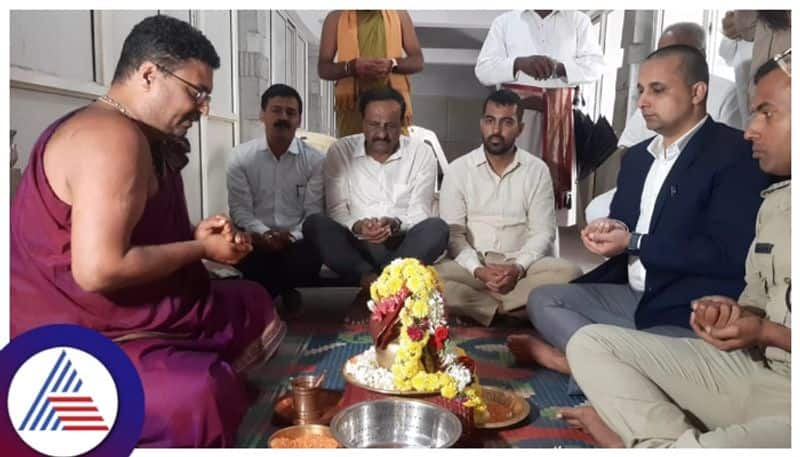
[193, 117]
[282, 124]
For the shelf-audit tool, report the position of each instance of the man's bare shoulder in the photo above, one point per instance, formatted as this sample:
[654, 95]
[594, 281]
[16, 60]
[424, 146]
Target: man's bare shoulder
[333, 17]
[97, 134]
[95, 141]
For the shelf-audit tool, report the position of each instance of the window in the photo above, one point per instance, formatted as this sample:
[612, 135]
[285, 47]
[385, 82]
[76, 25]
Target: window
[613, 54]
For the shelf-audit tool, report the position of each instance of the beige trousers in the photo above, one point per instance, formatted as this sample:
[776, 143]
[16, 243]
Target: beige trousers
[657, 391]
[468, 296]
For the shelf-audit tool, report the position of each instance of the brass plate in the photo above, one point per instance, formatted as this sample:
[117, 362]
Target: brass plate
[283, 411]
[398, 393]
[511, 407]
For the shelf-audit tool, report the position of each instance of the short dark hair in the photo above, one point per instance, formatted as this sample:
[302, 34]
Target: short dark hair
[166, 41]
[505, 97]
[766, 68]
[381, 94]
[280, 90]
[693, 62]
[776, 19]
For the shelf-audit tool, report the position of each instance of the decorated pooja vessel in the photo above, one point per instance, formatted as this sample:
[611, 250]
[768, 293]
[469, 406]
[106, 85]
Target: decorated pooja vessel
[413, 354]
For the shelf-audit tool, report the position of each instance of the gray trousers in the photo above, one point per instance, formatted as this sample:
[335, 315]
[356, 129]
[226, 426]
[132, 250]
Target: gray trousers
[558, 311]
[350, 257]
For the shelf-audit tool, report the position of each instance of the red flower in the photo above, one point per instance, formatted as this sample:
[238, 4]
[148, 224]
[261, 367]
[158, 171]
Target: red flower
[468, 363]
[415, 333]
[439, 337]
[404, 293]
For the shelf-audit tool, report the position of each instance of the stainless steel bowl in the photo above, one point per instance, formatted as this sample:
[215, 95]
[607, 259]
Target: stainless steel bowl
[395, 423]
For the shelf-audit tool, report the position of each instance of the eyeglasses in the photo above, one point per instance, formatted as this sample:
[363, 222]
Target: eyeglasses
[784, 61]
[201, 97]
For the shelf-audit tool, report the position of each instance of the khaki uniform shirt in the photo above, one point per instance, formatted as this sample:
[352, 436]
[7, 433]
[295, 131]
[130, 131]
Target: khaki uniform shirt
[768, 265]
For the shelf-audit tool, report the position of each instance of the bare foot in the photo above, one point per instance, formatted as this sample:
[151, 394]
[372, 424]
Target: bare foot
[532, 350]
[587, 419]
[358, 313]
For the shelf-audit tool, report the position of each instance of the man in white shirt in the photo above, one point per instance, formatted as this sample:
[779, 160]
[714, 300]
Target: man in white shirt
[683, 219]
[274, 184]
[378, 194]
[543, 55]
[498, 201]
[722, 105]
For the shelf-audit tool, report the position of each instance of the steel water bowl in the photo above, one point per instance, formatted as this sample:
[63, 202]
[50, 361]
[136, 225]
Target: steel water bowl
[395, 423]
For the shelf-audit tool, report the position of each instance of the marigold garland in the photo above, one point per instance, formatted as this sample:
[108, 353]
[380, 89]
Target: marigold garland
[408, 284]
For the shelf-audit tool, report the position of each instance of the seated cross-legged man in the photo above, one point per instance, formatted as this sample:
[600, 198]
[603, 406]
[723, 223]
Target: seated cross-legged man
[680, 223]
[379, 194]
[101, 237]
[731, 387]
[498, 201]
[274, 183]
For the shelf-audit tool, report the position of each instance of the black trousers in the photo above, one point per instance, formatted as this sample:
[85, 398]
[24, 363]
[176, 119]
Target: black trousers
[296, 266]
[350, 257]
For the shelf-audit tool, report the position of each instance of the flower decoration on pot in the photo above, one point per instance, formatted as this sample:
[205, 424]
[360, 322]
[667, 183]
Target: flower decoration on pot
[408, 315]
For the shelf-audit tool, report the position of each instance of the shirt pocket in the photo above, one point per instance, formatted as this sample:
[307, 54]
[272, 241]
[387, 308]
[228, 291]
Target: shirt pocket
[511, 232]
[401, 194]
[764, 263]
[294, 194]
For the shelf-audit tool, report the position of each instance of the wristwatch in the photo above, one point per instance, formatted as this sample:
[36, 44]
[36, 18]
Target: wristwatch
[635, 243]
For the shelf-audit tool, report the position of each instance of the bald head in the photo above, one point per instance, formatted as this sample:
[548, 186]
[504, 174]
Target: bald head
[685, 33]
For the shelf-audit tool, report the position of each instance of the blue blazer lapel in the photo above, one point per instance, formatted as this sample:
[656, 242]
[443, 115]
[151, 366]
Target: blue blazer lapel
[671, 188]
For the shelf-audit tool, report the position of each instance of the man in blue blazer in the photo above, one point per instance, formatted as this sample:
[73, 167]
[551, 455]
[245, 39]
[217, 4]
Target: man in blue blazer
[680, 224]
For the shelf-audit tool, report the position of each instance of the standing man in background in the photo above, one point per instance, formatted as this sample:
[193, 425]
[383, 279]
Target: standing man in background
[543, 55]
[363, 50]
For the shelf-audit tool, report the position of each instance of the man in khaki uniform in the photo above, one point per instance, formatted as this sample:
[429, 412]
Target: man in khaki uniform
[498, 202]
[722, 390]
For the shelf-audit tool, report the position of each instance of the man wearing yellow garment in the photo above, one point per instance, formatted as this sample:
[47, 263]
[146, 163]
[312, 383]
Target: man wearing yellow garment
[363, 50]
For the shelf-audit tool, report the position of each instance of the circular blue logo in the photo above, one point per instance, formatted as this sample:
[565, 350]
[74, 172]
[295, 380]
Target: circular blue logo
[68, 391]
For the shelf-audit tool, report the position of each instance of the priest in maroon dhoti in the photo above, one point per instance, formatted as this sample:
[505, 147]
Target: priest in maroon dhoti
[101, 237]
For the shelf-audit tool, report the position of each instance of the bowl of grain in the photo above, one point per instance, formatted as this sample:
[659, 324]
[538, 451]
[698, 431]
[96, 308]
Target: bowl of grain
[303, 436]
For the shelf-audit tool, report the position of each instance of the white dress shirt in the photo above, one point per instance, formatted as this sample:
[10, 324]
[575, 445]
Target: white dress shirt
[738, 54]
[563, 35]
[265, 193]
[721, 105]
[512, 215]
[358, 186]
[664, 159]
